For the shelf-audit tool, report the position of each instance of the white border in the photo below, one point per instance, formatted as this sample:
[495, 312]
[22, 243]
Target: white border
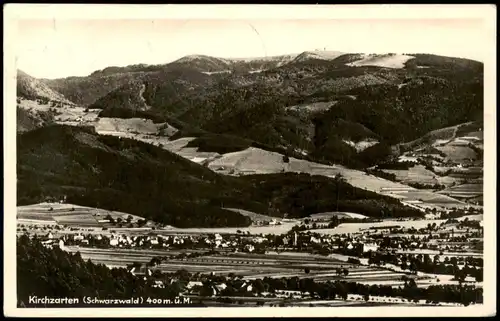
[12, 12]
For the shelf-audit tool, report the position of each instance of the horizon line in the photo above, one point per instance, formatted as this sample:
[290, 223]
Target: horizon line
[246, 58]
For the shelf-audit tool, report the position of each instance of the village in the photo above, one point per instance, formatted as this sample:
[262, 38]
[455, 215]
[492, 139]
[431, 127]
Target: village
[443, 249]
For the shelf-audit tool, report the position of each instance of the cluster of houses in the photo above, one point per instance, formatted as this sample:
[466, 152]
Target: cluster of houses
[432, 238]
[292, 241]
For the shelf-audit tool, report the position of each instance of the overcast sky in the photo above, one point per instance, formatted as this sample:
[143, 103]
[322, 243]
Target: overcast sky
[60, 48]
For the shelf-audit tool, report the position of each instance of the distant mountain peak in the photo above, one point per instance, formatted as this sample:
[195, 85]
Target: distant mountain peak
[318, 54]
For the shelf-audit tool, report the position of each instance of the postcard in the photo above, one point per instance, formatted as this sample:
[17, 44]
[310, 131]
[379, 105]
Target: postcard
[310, 160]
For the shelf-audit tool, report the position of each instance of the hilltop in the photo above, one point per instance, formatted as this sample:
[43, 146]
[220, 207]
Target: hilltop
[334, 107]
[31, 88]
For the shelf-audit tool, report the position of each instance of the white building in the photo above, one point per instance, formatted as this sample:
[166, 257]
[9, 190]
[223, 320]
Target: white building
[370, 247]
[259, 239]
[315, 240]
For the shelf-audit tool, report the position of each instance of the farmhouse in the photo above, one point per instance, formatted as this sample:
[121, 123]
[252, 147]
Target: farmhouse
[259, 239]
[159, 284]
[370, 247]
[247, 287]
[192, 284]
[288, 293]
[315, 240]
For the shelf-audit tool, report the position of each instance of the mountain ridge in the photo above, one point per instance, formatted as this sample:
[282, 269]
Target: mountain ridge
[320, 107]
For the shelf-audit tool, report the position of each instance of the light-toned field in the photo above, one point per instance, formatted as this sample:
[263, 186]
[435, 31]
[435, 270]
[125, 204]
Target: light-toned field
[359, 227]
[464, 191]
[457, 152]
[266, 229]
[314, 107]
[443, 136]
[69, 214]
[329, 215]
[419, 174]
[250, 266]
[258, 161]
[255, 216]
[362, 145]
[386, 61]
[478, 217]
[131, 125]
[81, 216]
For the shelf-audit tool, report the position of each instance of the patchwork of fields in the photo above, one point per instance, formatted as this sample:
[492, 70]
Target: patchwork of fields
[249, 161]
[68, 214]
[250, 266]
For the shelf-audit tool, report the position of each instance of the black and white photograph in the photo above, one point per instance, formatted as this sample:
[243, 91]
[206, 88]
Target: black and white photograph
[314, 159]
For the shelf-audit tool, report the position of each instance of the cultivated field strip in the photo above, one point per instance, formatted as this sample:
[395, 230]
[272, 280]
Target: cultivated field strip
[68, 214]
[250, 266]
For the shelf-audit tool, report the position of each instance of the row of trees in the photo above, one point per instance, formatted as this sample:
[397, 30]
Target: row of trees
[56, 273]
[424, 263]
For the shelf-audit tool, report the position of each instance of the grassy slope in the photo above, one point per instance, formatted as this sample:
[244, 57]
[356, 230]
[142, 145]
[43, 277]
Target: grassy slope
[130, 176]
[393, 105]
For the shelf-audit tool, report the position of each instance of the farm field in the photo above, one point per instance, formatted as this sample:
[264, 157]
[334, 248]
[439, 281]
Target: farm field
[84, 220]
[257, 161]
[419, 174]
[266, 229]
[352, 301]
[249, 161]
[464, 190]
[359, 227]
[130, 125]
[250, 266]
[255, 216]
[68, 214]
[329, 215]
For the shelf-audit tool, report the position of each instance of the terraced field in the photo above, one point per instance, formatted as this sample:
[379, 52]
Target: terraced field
[418, 174]
[68, 214]
[464, 191]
